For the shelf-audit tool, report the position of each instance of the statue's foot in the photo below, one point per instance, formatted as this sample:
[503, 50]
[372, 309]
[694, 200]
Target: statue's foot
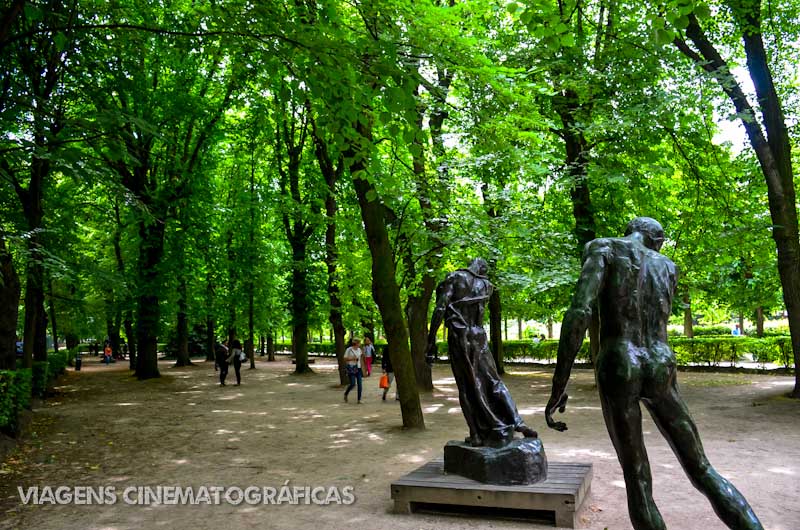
[474, 440]
[527, 432]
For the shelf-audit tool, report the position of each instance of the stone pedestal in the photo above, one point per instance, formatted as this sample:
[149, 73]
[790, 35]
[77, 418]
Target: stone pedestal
[522, 461]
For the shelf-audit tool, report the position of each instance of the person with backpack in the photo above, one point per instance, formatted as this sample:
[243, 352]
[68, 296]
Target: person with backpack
[221, 359]
[237, 356]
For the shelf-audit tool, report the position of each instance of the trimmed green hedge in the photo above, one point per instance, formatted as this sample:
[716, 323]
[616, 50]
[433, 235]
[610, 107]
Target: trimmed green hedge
[700, 350]
[318, 349]
[15, 395]
[44, 373]
[708, 350]
[713, 350]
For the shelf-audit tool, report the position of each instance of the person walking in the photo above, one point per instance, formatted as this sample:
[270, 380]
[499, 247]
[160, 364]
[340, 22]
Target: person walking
[107, 353]
[369, 354]
[354, 357]
[236, 357]
[221, 359]
[386, 367]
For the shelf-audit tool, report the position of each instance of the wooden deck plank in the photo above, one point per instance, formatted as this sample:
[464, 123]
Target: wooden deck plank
[561, 494]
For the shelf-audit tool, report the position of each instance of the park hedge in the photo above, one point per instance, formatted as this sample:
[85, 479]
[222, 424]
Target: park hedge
[15, 395]
[18, 386]
[709, 350]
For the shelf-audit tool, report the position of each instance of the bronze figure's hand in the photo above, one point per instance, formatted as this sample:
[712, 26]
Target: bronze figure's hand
[554, 404]
[432, 353]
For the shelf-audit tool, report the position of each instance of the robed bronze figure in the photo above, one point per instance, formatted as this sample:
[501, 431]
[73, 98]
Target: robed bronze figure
[487, 405]
[631, 286]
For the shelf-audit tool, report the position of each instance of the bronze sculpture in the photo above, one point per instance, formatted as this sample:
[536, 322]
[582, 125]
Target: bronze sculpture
[632, 285]
[487, 405]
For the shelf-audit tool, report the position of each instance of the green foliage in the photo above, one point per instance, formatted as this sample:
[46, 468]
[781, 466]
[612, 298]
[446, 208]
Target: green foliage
[711, 351]
[40, 378]
[700, 331]
[15, 395]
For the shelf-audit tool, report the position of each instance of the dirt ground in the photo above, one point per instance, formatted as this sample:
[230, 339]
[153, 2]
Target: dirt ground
[104, 428]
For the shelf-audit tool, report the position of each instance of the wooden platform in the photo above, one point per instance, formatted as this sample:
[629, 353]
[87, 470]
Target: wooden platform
[558, 498]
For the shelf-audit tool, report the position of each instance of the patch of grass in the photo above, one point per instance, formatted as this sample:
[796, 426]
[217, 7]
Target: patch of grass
[715, 381]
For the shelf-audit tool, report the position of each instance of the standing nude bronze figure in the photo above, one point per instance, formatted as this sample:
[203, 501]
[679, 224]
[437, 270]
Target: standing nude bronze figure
[631, 285]
[487, 405]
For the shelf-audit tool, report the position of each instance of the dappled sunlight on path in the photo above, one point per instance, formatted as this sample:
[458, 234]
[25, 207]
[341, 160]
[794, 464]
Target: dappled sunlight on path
[105, 428]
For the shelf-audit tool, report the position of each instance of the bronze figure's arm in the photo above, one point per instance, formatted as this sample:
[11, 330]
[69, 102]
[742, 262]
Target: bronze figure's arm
[573, 328]
[443, 294]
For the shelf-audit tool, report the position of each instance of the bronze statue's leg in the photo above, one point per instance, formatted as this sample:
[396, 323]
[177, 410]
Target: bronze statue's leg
[672, 417]
[624, 422]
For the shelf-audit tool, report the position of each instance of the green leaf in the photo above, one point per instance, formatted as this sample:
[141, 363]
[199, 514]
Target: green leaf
[60, 41]
[682, 22]
[663, 36]
[371, 195]
[702, 11]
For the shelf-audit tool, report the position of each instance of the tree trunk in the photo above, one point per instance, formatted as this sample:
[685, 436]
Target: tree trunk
[210, 338]
[741, 322]
[572, 113]
[773, 150]
[332, 174]
[688, 330]
[270, 347]
[131, 336]
[519, 329]
[495, 329]
[35, 334]
[549, 327]
[249, 345]
[9, 307]
[53, 326]
[299, 305]
[759, 322]
[112, 330]
[417, 314]
[148, 312]
[385, 289]
[182, 355]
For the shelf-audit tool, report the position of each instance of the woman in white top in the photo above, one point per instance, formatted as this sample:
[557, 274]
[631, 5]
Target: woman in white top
[354, 358]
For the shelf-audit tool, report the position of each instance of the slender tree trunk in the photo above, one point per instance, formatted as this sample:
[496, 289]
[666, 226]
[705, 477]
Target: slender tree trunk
[182, 355]
[148, 312]
[417, 314]
[495, 330]
[772, 149]
[270, 347]
[688, 330]
[9, 306]
[385, 290]
[112, 330]
[572, 112]
[519, 329]
[741, 322]
[251, 334]
[53, 326]
[332, 173]
[299, 305]
[549, 327]
[131, 336]
[759, 321]
[210, 338]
